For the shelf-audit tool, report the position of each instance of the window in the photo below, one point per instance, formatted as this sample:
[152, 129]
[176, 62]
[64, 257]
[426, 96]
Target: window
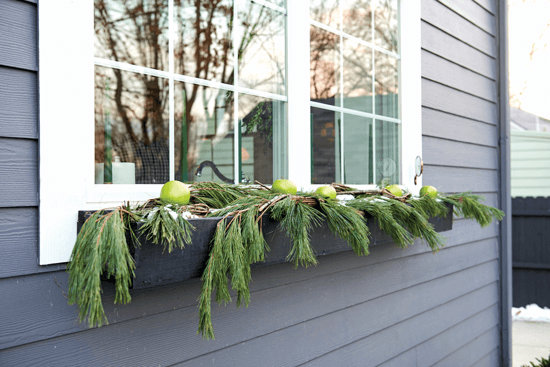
[143, 92]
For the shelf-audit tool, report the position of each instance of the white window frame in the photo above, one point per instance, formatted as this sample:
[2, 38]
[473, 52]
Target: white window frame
[66, 78]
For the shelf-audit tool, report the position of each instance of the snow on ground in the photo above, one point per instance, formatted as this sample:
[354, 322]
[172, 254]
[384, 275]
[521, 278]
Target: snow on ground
[531, 313]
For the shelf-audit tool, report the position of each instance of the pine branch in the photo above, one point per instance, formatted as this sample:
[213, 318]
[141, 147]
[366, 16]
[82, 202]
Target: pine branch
[165, 225]
[297, 219]
[100, 247]
[348, 224]
[469, 206]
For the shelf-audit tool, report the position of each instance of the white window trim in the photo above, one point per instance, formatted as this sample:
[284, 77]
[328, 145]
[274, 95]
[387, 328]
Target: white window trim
[66, 97]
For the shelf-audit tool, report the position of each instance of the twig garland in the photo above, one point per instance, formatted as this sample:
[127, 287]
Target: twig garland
[238, 242]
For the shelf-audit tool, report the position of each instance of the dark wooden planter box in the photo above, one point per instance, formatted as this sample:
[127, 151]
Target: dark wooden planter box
[155, 266]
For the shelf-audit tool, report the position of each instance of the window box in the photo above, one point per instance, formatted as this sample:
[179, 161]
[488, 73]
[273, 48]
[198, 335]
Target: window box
[157, 267]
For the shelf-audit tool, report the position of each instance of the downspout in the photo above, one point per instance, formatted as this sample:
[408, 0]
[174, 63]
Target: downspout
[505, 199]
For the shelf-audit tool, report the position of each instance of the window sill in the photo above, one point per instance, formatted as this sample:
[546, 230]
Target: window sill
[157, 267]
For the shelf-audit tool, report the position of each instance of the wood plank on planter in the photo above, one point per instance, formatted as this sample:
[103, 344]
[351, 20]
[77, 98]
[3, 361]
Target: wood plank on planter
[154, 266]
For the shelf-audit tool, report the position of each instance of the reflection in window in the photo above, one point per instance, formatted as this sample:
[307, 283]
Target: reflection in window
[137, 79]
[131, 127]
[354, 89]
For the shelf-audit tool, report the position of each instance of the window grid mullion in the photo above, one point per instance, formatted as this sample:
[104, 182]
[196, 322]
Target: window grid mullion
[373, 96]
[171, 137]
[236, 125]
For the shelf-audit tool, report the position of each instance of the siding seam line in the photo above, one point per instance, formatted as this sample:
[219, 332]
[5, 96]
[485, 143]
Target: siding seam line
[456, 63]
[461, 40]
[459, 90]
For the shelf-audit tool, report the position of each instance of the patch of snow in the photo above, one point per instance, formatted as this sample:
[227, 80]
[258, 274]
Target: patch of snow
[531, 313]
[345, 197]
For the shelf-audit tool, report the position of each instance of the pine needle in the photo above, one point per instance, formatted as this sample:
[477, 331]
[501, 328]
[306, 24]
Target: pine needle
[469, 206]
[164, 225]
[348, 224]
[297, 220]
[100, 247]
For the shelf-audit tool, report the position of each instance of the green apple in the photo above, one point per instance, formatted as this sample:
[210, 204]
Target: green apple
[175, 192]
[395, 190]
[428, 190]
[283, 186]
[327, 192]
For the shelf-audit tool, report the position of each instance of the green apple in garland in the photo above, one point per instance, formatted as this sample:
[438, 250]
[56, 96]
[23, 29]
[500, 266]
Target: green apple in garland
[395, 190]
[175, 192]
[283, 186]
[326, 192]
[428, 190]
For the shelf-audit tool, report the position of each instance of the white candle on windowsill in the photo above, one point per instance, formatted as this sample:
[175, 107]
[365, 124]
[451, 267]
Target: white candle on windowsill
[124, 173]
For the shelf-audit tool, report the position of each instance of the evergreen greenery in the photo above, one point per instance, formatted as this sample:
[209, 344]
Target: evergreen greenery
[102, 247]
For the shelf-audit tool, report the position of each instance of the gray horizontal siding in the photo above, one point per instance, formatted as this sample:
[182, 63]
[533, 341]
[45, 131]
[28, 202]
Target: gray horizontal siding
[474, 13]
[19, 172]
[443, 98]
[457, 128]
[448, 47]
[345, 311]
[455, 76]
[452, 23]
[19, 103]
[18, 34]
[345, 285]
[489, 5]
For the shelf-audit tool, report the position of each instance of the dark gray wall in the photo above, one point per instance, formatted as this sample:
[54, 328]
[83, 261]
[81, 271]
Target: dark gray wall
[393, 308]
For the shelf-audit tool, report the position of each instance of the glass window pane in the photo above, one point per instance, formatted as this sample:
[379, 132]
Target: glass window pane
[387, 85]
[262, 139]
[131, 128]
[386, 25]
[203, 133]
[387, 152]
[203, 47]
[324, 66]
[358, 150]
[357, 76]
[325, 11]
[132, 31]
[261, 41]
[325, 146]
[357, 18]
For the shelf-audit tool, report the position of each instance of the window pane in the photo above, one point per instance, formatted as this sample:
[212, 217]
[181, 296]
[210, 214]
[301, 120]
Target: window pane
[203, 133]
[324, 66]
[203, 47]
[387, 151]
[358, 150]
[132, 31]
[325, 147]
[387, 85]
[262, 139]
[357, 76]
[357, 18]
[131, 128]
[261, 40]
[386, 25]
[325, 11]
